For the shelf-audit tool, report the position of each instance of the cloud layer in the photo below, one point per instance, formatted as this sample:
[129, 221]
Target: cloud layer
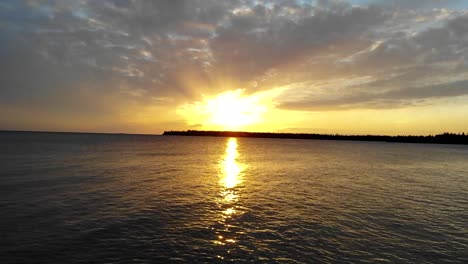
[93, 58]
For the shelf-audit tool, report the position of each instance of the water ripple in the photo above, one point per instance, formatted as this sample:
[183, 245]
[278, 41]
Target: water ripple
[178, 200]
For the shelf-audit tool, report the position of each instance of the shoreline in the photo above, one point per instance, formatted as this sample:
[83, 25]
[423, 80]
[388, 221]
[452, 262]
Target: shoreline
[445, 138]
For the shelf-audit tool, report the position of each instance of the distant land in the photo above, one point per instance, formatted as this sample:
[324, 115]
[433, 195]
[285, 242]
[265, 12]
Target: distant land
[445, 138]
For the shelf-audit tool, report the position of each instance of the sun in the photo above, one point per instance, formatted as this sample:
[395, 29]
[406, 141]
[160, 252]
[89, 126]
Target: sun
[230, 110]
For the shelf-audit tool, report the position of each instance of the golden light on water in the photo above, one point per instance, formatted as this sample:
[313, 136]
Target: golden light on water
[231, 169]
[230, 179]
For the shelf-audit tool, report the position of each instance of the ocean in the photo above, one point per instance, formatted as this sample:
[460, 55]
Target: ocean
[97, 198]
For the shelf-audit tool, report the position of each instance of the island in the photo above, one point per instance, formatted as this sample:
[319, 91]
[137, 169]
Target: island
[445, 138]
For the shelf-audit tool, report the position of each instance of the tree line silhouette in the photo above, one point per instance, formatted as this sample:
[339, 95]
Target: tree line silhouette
[445, 138]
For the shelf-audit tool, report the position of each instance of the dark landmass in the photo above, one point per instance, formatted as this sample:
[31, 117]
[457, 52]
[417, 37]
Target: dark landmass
[445, 138]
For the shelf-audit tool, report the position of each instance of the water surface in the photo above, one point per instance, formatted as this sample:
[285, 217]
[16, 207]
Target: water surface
[83, 198]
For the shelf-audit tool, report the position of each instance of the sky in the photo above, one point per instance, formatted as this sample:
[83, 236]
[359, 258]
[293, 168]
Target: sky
[323, 66]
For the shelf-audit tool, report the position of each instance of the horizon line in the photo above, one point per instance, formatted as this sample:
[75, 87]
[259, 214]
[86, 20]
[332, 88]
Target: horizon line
[224, 131]
[77, 132]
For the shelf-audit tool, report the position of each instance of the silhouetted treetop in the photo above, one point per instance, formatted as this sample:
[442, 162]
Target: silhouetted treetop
[445, 138]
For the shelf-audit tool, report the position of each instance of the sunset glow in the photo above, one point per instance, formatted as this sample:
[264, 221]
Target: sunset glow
[204, 131]
[231, 110]
[333, 66]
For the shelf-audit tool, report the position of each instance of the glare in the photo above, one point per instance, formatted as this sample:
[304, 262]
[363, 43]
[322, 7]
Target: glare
[229, 211]
[232, 110]
[231, 175]
[231, 168]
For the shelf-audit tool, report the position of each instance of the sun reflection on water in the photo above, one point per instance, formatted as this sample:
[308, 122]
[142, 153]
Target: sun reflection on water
[231, 169]
[230, 181]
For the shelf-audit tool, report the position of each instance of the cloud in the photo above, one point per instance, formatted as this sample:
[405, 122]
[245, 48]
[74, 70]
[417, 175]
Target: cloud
[401, 70]
[61, 55]
[415, 4]
[260, 39]
[408, 96]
